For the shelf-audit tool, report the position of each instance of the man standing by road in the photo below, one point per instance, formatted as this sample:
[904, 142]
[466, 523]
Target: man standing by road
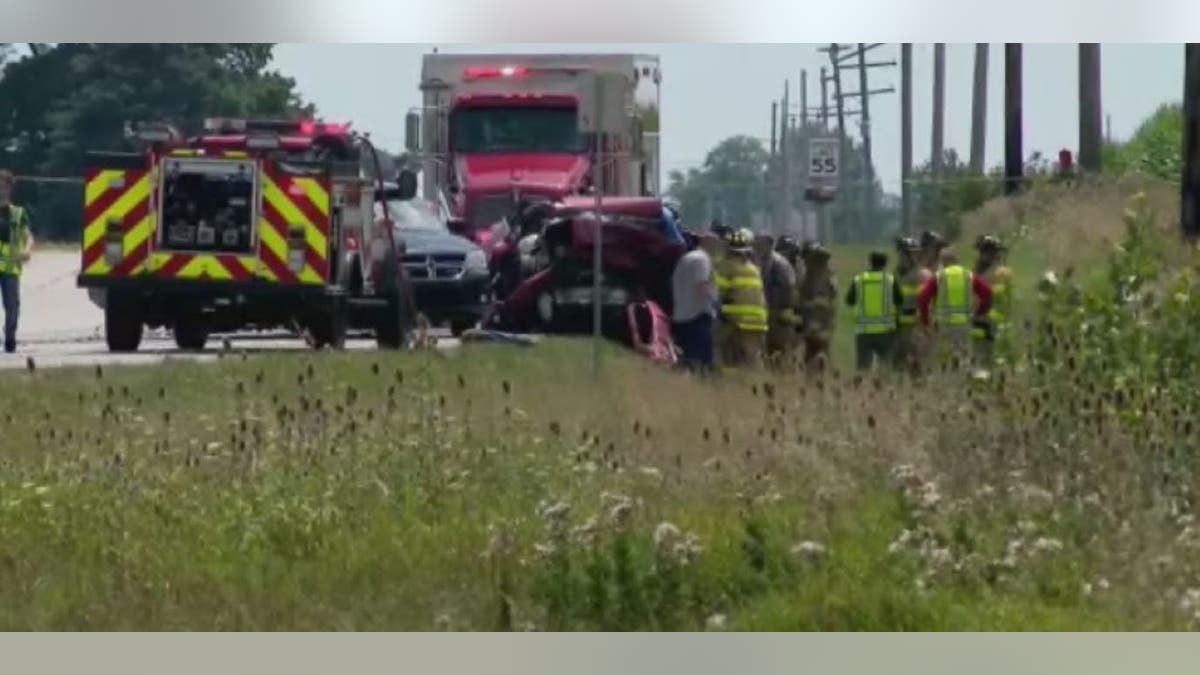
[694, 296]
[779, 286]
[952, 290]
[16, 245]
[877, 298]
[818, 304]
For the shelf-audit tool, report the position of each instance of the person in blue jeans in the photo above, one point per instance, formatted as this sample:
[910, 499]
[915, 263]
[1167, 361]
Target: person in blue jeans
[695, 308]
[16, 243]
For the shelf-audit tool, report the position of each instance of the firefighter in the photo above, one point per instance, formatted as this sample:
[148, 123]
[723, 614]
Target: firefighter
[910, 277]
[779, 287]
[744, 324]
[990, 265]
[877, 299]
[16, 246]
[818, 304]
[932, 246]
[951, 291]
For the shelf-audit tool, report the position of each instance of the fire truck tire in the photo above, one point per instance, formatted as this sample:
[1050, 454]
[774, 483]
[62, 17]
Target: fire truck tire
[191, 334]
[122, 325]
[329, 329]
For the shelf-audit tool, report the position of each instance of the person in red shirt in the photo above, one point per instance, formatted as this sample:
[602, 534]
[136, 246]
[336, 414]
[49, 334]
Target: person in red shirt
[959, 298]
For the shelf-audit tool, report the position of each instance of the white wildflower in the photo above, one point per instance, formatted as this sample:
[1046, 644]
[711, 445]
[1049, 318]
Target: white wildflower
[1190, 602]
[651, 472]
[809, 549]
[666, 534]
[1047, 545]
[929, 497]
[717, 622]
[689, 550]
[554, 512]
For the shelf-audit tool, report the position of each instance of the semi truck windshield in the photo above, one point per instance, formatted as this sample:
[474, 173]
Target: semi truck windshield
[516, 129]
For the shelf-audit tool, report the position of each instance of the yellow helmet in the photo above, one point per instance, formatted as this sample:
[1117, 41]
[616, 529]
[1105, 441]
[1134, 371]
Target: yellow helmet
[741, 239]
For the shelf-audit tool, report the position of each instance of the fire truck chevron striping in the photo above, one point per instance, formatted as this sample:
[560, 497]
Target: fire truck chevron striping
[117, 213]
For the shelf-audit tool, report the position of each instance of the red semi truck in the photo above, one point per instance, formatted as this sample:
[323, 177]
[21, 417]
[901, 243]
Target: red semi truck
[498, 128]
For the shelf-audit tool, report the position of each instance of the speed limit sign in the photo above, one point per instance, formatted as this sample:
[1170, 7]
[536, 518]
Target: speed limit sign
[823, 157]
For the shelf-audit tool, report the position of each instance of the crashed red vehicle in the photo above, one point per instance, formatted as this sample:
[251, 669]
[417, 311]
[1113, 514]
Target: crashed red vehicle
[638, 257]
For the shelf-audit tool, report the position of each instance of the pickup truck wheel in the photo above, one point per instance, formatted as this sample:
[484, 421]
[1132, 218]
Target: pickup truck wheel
[122, 325]
[191, 333]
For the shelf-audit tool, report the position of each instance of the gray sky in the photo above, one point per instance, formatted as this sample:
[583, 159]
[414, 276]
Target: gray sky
[712, 91]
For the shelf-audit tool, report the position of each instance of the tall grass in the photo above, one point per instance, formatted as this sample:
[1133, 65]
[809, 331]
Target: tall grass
[502, 489]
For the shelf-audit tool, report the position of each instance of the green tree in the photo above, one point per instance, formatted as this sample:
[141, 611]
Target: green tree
[731, 185]
[1156, 148]
[59, 101]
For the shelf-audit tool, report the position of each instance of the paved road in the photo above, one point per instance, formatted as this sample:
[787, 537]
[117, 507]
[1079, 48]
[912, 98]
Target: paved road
[61, 327]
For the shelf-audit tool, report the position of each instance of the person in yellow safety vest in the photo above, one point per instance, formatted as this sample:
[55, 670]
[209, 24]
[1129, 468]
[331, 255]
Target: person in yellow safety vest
[818, 304]
[990, 265]
[16, 245]
[876, 297]
[910, 276]
[743, 305]
[952, 289]
[779, 286]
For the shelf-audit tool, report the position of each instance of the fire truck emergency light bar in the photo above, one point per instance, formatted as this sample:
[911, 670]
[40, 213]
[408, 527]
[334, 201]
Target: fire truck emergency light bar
[221, 125]
[491, 72]
[498, 72]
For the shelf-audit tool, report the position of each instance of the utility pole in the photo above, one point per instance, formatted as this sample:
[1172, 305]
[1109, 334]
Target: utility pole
[824, 101]
[841, 115]
[906, 145]
[939, 108]
[1090, 114]
[1190, 189]
[979, 109]
[865, 107]
[774, 116]
[785, 156]
[1014, 159]
[801, 153]
[803, 99]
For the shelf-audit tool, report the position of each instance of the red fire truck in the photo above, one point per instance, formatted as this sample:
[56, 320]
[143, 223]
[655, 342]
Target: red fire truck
[253, 224]
[496, 128]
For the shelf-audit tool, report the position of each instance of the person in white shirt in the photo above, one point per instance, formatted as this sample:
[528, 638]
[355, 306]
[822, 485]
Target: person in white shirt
[694, 299]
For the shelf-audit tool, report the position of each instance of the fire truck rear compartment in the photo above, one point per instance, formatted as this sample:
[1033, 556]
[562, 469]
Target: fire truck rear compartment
[208, 206]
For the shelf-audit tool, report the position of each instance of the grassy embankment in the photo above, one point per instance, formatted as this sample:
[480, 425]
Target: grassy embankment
[499, 489]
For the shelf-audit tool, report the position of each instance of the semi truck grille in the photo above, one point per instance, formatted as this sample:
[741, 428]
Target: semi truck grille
[434, 267]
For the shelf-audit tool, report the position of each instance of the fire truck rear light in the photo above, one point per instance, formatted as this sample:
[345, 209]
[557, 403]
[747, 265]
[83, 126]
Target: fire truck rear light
[116, 182]
[113, 251]
[296, 260]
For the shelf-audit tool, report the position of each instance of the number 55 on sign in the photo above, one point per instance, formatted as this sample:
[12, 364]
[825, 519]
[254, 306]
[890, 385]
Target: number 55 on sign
[823, 157]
